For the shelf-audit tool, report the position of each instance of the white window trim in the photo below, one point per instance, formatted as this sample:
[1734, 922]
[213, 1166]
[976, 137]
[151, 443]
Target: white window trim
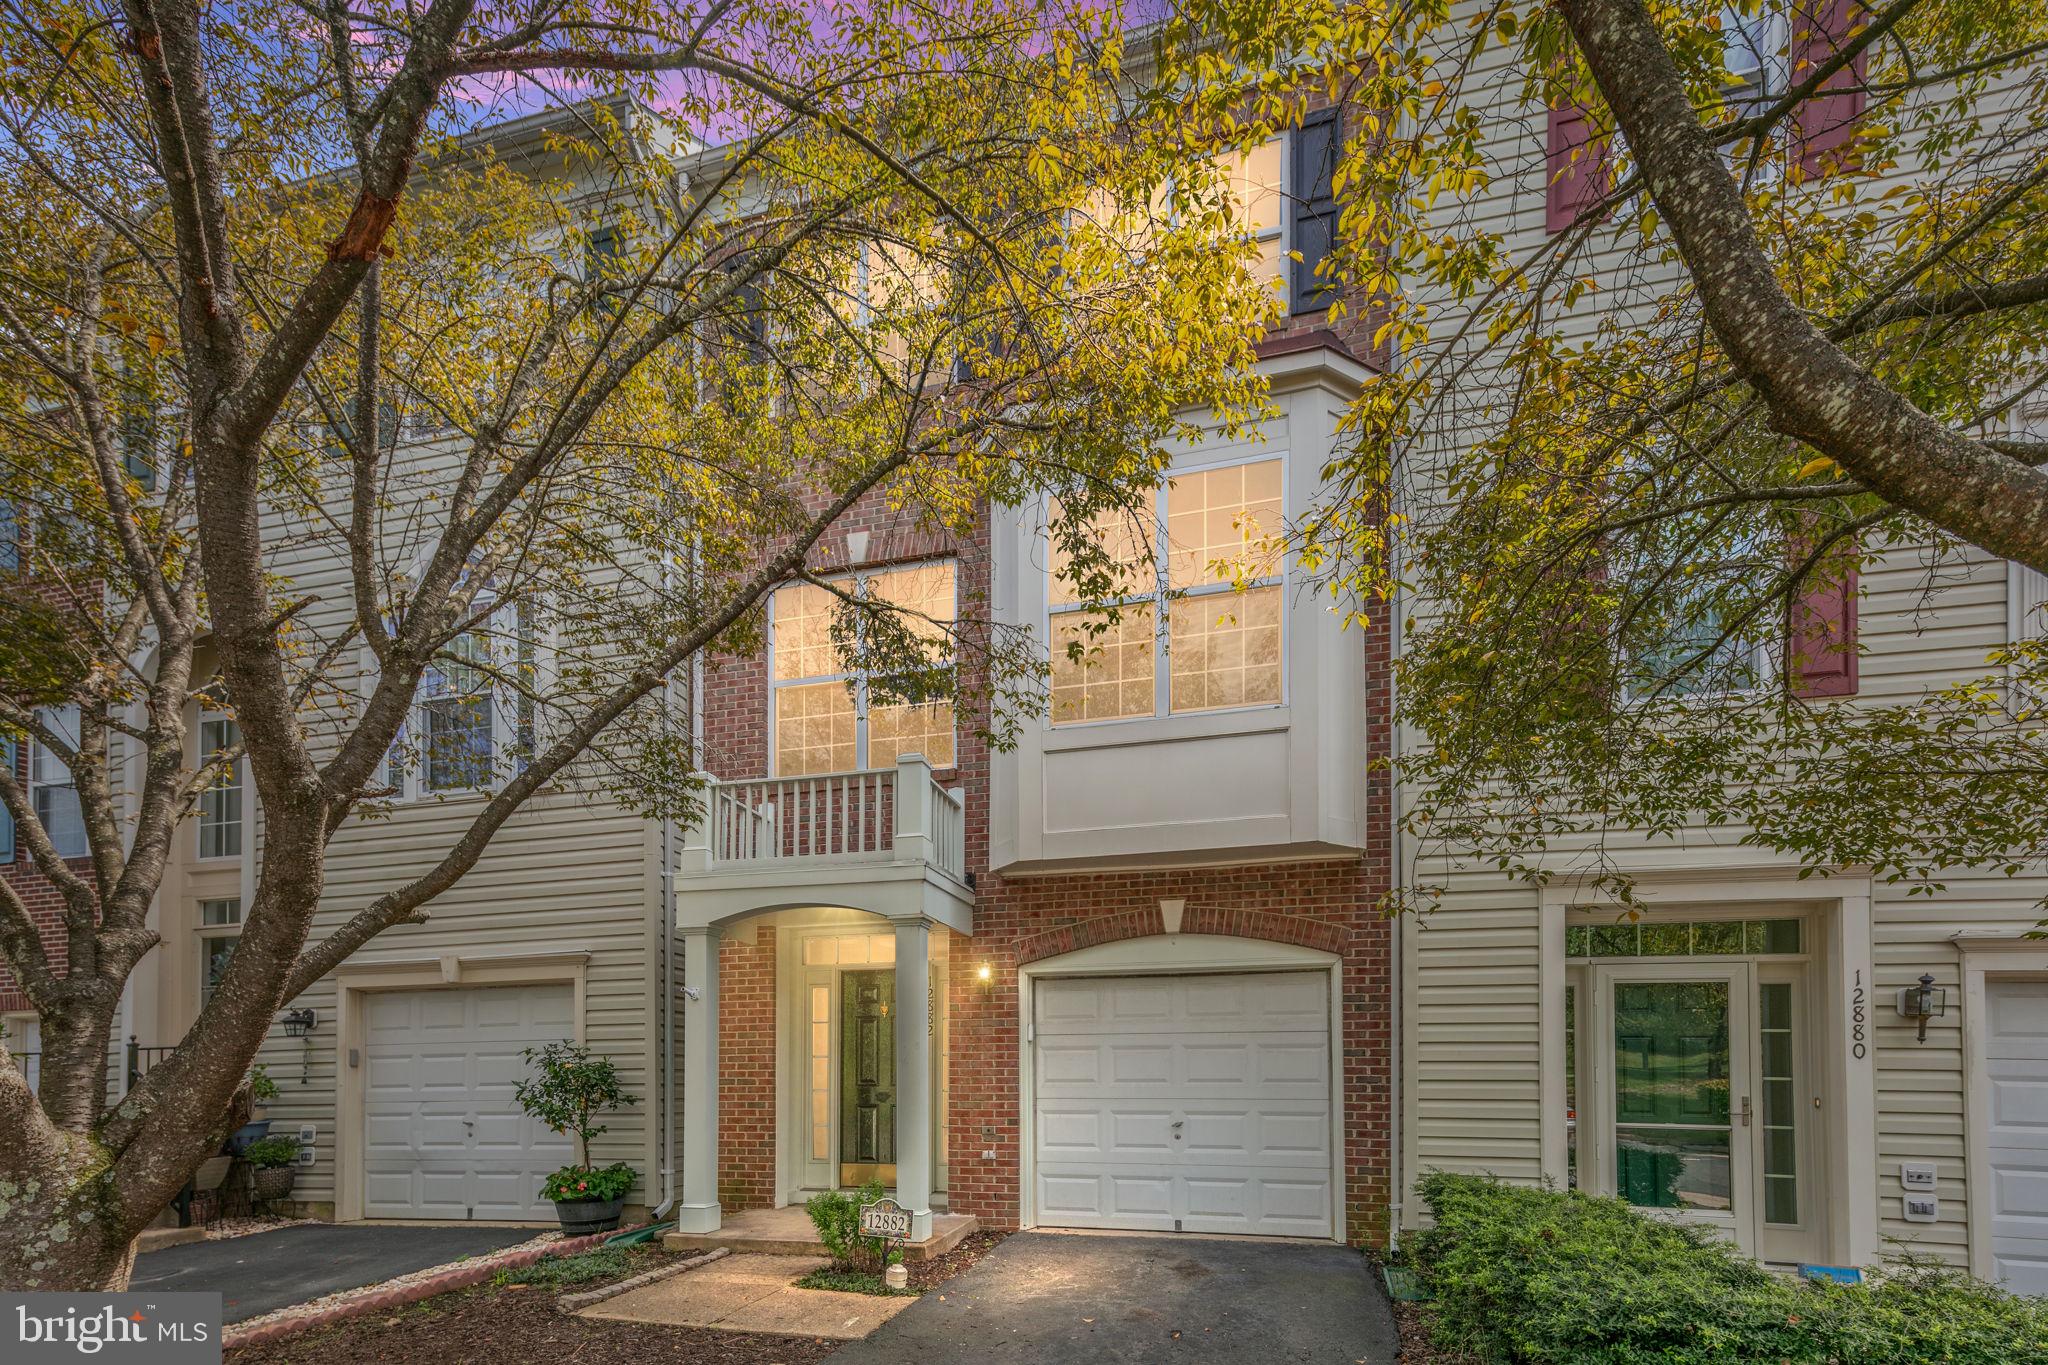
[52, 718]
[503, 624]
[859, 680]
[1162, 671]
[237, 780]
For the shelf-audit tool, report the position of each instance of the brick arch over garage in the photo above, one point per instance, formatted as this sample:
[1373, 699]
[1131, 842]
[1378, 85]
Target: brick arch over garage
[1323, 935]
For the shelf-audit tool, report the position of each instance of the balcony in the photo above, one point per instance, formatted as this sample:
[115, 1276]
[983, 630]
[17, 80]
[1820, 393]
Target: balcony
[890, 841]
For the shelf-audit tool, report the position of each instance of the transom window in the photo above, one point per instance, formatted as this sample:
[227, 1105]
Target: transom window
[1212, 531]
[825, 718]
[220, 806]
[1700, 938]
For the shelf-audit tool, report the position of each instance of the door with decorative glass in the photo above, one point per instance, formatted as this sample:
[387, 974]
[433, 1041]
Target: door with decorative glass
[1672, 1052]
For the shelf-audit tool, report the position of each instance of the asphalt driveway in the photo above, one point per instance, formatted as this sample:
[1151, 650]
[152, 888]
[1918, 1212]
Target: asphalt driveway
[269, 1270]
[1060, 1297]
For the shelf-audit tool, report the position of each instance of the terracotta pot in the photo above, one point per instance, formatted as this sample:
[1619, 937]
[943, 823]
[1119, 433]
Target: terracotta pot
[581, 1217]
[274, 1182]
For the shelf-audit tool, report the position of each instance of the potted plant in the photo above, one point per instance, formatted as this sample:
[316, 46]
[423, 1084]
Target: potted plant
[273, 1159]
[262, 1090]
[568, 1089]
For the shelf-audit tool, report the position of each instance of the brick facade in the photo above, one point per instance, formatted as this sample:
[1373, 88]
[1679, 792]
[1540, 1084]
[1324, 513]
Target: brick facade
[746, 1068]
[45, 905]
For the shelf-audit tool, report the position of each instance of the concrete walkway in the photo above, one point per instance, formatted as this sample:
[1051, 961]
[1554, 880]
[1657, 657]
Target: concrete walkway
[268, 1270]
[753, 1293]
[1056, 1298]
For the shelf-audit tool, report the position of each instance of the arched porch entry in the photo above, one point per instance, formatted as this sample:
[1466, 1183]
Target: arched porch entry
[834, 1038]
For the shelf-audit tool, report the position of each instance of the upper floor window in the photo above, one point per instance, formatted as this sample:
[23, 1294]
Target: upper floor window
[474, 719]
[825, 717]
[1753, 45]
[1217, 582]
[51, 793]
[220, 806]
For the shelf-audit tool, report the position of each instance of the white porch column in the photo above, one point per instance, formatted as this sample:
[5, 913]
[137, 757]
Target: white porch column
[699, 1211]
[914, 1072]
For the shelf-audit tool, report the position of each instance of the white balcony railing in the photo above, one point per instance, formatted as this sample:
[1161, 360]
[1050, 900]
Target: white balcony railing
[894, 814]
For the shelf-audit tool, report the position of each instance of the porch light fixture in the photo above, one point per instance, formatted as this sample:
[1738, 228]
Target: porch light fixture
[1923, 1002]
[298, 1023]
[984, 973]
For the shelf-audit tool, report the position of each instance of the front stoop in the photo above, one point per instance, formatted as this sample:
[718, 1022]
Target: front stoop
[788, 1232]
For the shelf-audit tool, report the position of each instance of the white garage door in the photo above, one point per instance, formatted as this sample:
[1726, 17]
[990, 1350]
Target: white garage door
[2016, 1138]
[443, 1136]
[1184, 1103]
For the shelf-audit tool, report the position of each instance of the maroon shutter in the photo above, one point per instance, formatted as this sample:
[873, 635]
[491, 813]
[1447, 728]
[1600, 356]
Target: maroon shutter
[1821, 642]
[1825, 123]
[1574, 182]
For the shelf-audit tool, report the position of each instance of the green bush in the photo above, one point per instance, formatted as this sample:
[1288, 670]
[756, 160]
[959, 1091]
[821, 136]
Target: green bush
[852, 1282]
[836, 1216]
[583, 1182]
[271, 1152]
[554, 1272]
[1532, 1277]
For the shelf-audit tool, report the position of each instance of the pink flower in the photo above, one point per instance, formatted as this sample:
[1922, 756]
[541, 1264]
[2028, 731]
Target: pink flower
[583, 1184]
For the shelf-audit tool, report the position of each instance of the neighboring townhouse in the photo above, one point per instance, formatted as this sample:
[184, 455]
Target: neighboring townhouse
[1535, 1020]
[1130, 973]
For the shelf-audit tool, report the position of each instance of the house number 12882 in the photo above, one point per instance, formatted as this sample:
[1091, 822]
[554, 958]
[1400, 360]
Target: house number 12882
[1859, 1013]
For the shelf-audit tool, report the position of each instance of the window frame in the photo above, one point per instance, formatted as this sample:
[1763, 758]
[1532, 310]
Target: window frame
[210, 934]
[1163, 595]
[405, 764]
[231, 781]
[50, 716]
[859, 680]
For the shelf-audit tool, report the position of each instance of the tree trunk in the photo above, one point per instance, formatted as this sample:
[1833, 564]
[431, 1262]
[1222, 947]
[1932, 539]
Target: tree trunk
[68, 1229]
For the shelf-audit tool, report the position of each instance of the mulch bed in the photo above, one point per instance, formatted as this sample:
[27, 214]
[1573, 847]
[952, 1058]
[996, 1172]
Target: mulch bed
[1413, 1320]
[519, 1325]
[974, 1246]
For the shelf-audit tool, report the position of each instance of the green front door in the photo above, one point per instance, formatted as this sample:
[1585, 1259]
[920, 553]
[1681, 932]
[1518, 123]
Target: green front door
[867, 1077]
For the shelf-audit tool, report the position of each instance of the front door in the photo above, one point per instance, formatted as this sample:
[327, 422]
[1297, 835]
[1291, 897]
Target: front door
[1674, 1057]
[867, 1077]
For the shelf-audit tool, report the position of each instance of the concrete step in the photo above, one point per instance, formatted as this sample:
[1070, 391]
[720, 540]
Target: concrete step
[788, 1232]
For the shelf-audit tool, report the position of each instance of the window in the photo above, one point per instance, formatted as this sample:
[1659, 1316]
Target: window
[1254, 180]
[51, 793]
[825, 719]
[1753, 40]
[220, 925]
[220, 806]
[1221, 647]
[1687, 651]
[474, 720]
[1705, 938]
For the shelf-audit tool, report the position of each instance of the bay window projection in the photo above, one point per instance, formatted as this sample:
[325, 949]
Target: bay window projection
[1218, 585]
[220, 806]
[825, 718]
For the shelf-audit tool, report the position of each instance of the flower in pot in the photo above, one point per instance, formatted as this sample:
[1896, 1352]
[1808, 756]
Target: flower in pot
[262, 1090]
[569, 1088]
[273, 1158]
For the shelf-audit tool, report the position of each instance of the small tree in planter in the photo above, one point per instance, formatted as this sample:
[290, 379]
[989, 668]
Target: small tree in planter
[568, 1089]
[273, 1159]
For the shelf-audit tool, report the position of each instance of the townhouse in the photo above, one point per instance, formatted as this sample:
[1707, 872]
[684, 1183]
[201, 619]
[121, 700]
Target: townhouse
[1742, 1057]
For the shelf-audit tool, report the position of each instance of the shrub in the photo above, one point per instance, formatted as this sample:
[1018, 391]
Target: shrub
[836, 1216]
[852, 1282]
[271, 1152]
[1532, 1277]
[600, 1263]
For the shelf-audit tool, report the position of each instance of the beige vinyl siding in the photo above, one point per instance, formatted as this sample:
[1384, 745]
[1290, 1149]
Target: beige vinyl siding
[1470, 1029]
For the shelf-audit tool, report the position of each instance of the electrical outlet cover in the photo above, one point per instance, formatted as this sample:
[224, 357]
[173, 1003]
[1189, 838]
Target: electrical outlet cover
[1922, 1208]
[306, 1155]
[1917, 1175]
[307, 1132]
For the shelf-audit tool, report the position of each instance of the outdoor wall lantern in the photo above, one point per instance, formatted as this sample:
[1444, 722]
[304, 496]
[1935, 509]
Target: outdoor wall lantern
[1923, 1002]
[984, 974]
[298, 1023]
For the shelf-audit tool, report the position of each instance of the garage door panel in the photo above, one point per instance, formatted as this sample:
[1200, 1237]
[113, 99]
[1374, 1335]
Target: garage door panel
[443, 1134]
[1240, 1062]
[2016, 1140]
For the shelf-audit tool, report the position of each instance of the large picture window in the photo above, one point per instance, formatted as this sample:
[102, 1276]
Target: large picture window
[825, 719]
[1208, 567]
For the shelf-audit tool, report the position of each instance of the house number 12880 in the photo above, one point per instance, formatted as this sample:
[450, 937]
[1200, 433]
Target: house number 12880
[1859, 1014]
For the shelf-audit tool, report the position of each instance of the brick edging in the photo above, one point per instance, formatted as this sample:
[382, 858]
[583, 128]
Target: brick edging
[576, 1303]
[462, 1276]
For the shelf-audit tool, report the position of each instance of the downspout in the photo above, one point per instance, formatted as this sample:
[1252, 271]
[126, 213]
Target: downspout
[1397, 864]
[668, 899]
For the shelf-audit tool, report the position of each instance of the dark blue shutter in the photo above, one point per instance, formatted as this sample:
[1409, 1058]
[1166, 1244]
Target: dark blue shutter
[1316, 146]
[7, 753]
